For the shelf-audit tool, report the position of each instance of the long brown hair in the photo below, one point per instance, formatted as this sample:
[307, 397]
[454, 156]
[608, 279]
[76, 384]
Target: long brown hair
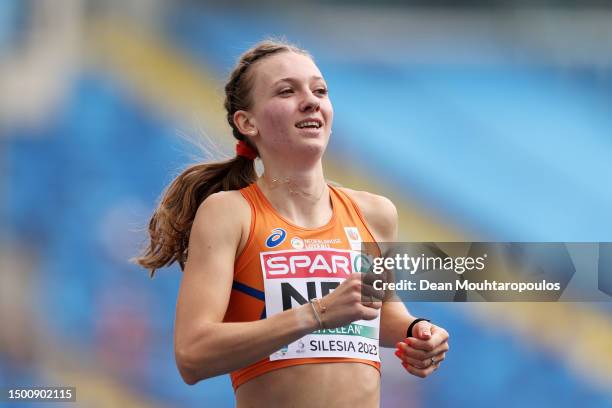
[170, 224]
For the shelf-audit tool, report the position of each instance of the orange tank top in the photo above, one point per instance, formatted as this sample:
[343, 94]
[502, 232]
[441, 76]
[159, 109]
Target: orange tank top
[284, 265]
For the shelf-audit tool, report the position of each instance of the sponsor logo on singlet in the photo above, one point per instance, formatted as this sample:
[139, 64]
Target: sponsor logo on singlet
[305, 264]
[276, 237]
[352, 234]
[315, 243]
[297, 243]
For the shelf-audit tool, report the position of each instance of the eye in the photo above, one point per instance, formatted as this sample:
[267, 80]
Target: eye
[321, 91]
[285, 91]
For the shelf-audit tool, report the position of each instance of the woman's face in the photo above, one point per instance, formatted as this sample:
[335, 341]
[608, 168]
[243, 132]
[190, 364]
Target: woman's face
[290, 108]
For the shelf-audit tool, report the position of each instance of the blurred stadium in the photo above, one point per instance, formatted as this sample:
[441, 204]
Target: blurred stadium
[482, 120]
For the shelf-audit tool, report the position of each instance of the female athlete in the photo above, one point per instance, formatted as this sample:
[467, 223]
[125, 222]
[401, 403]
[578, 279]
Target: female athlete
[268, 292]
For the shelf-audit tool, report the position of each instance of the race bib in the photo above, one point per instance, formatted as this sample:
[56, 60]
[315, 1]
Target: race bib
[292, 277]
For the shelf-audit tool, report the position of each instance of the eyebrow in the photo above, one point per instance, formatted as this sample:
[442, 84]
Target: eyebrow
[289, 79]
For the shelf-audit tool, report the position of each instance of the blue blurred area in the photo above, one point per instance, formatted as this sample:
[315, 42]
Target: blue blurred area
[513, 151]
[491, 147]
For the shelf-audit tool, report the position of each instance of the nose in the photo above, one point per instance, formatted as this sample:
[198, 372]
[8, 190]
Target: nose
[310, 103]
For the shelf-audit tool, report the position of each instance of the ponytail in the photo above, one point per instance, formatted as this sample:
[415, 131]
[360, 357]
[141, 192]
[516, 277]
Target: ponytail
[170, 225]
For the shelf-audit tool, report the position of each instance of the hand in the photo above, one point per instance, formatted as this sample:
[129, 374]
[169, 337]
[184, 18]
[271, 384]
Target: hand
[430, 342]
[344, 305]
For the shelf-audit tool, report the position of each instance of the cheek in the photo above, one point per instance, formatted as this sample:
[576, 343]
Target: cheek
[275, 121]
[330, 113]
[327, 110]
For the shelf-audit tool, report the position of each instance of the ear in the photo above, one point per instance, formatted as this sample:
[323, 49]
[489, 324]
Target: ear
[245, 123]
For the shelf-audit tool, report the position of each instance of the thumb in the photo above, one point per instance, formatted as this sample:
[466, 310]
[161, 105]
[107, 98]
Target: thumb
[422, 330]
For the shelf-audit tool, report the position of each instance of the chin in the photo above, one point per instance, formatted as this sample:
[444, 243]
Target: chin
[314, 148]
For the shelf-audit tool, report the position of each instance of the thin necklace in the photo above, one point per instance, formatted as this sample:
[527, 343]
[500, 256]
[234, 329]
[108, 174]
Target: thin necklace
[286, 181]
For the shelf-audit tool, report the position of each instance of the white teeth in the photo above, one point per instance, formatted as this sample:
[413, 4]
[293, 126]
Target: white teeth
[308, 124]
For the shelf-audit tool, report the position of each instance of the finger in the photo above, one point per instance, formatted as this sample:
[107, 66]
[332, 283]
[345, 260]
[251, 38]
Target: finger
[420, 344]
[436, 339]
[435, 361]
[368, 293]
[418, 354]
[371, 313]
[419, 372]
[376, 304]
[369, 298]
[368, 290]
[368, 278]
[420, 361]
[413, 362]
[422, 330]
[439, 332]
[412, 352]
[439, 358]
[414, 371]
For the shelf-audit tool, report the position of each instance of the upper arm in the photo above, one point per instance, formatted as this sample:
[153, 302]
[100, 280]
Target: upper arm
[379, 212]
[206, 284]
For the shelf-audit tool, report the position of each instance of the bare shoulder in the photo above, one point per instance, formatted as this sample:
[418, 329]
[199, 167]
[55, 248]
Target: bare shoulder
[221, 213]
[225, 200]
[380, 213]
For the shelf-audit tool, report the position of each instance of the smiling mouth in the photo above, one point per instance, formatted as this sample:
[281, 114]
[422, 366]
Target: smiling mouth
[309, 124]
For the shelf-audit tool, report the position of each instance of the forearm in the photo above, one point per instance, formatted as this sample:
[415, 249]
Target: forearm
[218, 348]
[394, 320]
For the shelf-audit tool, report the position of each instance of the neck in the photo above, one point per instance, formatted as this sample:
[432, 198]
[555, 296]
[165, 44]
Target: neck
[301, 196]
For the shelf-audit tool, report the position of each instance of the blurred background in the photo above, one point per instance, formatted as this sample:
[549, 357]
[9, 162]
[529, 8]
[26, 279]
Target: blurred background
[482, 120]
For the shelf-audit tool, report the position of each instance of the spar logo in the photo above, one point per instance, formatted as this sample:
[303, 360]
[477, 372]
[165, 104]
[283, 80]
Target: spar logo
[315, 263]
[276, 237]
[299, 275]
